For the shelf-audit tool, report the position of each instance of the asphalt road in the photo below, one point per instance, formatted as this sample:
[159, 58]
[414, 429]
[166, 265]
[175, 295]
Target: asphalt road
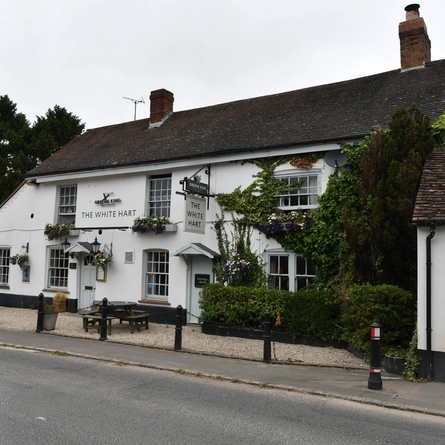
[50, 399]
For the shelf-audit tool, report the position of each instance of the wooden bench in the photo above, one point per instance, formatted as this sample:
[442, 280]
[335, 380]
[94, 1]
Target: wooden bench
[90, 320]
[136, 321]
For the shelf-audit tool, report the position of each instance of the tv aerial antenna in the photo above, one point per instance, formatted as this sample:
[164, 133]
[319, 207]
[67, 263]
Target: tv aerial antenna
[136, 102]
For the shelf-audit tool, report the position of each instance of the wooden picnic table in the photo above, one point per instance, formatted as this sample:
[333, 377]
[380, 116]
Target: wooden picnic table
[123, 310]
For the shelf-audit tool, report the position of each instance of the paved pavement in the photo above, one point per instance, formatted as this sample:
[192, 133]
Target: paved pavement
[396, 393]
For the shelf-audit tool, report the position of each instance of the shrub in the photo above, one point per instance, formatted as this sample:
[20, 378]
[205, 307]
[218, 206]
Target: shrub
[307, 312]
[48, 308]
[389, 306]
[310, 312]
[59, 302]
[235, 305]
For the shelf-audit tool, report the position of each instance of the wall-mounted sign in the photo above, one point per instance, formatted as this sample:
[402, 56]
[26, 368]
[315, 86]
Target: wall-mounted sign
[195, 214]
[73, 265]
[201, 280]
[198, 188]
[106, 200]
[107, 214]
[26, 274]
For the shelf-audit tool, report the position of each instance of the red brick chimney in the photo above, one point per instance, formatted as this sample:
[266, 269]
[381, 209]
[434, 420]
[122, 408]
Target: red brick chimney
[161, 106]
[415, 45]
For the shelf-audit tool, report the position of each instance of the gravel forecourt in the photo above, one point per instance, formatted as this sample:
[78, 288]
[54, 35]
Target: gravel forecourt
[163, 336]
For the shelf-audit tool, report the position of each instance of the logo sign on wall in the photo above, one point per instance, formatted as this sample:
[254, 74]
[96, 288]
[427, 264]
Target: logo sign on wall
[195, 214]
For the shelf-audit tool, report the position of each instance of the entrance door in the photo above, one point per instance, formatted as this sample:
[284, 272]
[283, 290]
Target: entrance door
[201, 272]
[88, 282]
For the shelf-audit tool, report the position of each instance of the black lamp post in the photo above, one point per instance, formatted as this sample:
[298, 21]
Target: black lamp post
[95, 246]
[65, 245]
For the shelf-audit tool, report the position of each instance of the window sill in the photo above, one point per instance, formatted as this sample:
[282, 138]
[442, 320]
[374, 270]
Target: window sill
[55, 290]
[160, 302]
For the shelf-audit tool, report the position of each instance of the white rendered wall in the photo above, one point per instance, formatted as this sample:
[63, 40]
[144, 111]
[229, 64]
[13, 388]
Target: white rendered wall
[437, 289]
[23, 218]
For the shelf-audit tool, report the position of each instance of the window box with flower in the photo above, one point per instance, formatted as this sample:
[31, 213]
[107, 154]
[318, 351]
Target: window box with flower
[278, 222]
[153, 223]
[59, 231]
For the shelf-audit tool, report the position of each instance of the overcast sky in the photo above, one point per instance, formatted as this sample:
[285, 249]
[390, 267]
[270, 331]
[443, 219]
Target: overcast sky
[86, 55]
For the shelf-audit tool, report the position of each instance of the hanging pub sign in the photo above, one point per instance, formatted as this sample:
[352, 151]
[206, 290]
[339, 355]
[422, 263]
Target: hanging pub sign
[195, 214]
[194, 186]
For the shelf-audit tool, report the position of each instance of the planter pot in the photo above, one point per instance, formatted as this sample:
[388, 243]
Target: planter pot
[49, 321]
[171, 228]
[74, 233]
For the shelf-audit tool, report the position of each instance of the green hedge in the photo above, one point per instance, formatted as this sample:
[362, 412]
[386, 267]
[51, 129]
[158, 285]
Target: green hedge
[394, 309]
[318, 314]
[308, 312]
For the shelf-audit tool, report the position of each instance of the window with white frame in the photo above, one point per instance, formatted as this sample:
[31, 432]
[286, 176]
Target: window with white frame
[156, 274]
[305, 272]
[57, 268]
[289, 271]
[302, 194]
[67, 204]
[5, 254]
[160, 189]
[279, 272]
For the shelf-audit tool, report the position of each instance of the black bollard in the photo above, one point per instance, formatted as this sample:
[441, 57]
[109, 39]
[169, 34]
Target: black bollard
[375, 374]
[178, 331]
[103, 321]
[40, 314]
[267, 338]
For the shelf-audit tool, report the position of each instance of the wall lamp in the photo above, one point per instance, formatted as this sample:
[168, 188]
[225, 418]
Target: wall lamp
[65, 244]
[95, 246]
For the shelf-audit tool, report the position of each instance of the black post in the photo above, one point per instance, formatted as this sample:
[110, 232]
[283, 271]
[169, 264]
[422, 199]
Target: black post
[267, 338]
[375, 374]
[40, 314]
[103, 321]
[178, 331]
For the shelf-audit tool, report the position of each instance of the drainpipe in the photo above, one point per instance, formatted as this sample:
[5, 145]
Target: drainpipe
[429, 358]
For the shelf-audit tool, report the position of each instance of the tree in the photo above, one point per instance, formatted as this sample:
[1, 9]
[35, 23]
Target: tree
[379, 233]
[23, 146]
[54, 130]
[15, 139]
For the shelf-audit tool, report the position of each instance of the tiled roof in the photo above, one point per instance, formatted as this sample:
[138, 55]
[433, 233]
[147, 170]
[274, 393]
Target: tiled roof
[334, 112]
[430, 202]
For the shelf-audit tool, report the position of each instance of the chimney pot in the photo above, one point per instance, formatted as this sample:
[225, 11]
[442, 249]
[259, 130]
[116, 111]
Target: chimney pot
[412, 11]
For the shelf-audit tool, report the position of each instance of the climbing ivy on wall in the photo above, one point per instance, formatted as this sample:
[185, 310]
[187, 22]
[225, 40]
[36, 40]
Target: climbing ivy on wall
[325, 243]
[359, 233]
[238, 265]
[256, 202]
